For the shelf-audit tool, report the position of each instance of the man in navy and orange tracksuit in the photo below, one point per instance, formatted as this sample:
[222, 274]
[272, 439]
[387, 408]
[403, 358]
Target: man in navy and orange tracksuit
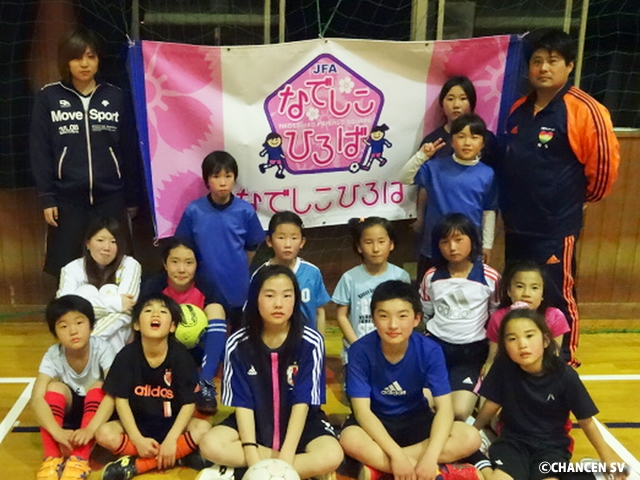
[561, 152]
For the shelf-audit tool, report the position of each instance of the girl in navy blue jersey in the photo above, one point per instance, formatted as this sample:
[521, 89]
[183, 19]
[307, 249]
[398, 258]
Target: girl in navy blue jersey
[274, 376]
[536, 391]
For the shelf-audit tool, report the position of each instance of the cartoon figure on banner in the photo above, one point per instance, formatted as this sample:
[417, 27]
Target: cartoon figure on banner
[376, 143]
[274, 153]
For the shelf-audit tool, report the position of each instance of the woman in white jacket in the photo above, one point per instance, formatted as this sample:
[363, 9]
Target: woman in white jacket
[106, 277]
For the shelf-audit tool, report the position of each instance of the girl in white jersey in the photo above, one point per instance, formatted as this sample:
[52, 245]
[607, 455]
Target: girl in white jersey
[108, 278]
[458, 295]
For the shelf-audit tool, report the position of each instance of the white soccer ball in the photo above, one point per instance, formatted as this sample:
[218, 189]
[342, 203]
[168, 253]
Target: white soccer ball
[271, 469]
[354, 167]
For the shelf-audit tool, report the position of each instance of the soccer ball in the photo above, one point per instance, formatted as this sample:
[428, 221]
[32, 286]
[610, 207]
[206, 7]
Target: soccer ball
[271, 469]
[354, 167]
[192, 325]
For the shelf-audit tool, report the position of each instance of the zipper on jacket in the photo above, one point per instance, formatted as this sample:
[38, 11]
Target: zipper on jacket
[64, 153]
[88, 135]
[115, 161]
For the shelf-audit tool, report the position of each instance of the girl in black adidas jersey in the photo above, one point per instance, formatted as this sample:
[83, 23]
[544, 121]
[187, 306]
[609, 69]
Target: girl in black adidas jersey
[536, 391]
[153, 381]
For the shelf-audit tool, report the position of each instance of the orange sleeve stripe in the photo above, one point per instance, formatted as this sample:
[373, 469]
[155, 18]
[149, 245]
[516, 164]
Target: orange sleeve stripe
[517, 103]
[592, 139]
[604, 160]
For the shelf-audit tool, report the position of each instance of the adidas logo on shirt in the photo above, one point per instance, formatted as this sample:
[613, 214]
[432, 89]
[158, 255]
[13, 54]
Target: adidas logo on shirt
[468, 381]
[550, 397]
[394, 389]
[252, 371]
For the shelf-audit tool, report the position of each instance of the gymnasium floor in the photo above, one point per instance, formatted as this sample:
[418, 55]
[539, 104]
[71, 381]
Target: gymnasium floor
[609, 351]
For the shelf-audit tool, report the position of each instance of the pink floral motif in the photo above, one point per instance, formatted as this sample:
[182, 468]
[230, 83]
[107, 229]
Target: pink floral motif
[169, 206]
[173, 74]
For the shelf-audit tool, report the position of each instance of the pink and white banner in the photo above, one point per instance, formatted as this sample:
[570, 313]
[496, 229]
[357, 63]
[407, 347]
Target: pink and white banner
[319, 127]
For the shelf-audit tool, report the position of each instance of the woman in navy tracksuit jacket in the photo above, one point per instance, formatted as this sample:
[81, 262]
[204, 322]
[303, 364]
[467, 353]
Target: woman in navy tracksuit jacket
[82, 150]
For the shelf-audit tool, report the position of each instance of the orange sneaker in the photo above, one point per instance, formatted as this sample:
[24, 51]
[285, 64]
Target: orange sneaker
[50, 469]
[457, 471]
[75, 468]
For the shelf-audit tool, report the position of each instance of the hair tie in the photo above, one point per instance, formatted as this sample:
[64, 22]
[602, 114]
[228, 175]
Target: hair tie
[520, 305]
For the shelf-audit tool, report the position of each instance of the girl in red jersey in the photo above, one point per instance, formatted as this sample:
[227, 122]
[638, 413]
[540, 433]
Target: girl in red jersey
[178, 281]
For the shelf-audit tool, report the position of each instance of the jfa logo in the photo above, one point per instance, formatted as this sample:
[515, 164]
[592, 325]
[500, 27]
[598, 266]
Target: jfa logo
[323, 119]
[322, 68]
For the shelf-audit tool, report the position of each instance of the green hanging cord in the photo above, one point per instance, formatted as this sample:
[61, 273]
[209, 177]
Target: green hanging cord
[330, 18]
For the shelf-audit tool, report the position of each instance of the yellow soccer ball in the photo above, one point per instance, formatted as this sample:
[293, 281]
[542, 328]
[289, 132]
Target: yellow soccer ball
[192, 325]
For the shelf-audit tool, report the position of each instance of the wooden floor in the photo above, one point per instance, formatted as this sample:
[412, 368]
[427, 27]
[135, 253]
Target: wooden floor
[604, 355]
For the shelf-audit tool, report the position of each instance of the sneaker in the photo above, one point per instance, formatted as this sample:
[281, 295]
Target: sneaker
[122, 469]
[458, 471]
[217, 472]
[370, 473]
[75, 468]
[206, 402]
[262, 167]
[50, 469]
[194, 461]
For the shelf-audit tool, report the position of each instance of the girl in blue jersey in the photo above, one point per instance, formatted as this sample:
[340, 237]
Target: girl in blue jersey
[536, 391]
[460, 171]
[374, 240]
[225, 232]
[458, 295]
[286, 238]
[274, 375]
